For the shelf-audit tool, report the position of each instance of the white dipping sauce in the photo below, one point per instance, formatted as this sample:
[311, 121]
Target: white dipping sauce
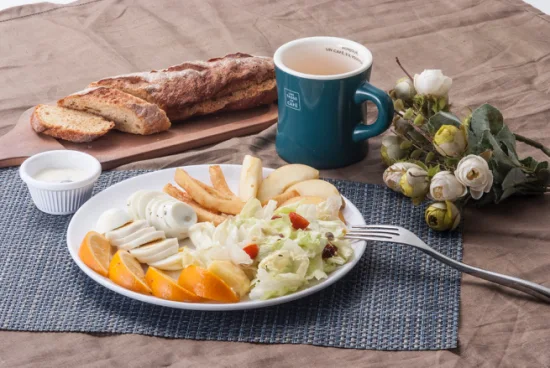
[65, 175]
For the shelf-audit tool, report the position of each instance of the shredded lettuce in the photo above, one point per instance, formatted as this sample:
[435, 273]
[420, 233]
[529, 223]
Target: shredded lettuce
[288, 259]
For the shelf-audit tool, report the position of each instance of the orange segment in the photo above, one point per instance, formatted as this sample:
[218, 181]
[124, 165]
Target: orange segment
[207, 285]
[165, 287]
[95, 252]
[126, 271]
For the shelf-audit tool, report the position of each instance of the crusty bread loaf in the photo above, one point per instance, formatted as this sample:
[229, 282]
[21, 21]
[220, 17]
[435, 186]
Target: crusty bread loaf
[234, 82]
[67, 124]
[129, 113]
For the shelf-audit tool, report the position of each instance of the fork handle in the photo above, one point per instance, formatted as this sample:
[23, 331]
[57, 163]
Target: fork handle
[528, 287]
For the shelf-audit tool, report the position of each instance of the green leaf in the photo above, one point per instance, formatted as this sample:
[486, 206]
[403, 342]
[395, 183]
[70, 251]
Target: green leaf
[451, 161]
[529, 163]
[419, 163]
[416, 154]
[512, 183]
[442, 102]
[488, 131]
[442, 118]
[429, 157]
[433, 170]
[418, 101]
[543, 175]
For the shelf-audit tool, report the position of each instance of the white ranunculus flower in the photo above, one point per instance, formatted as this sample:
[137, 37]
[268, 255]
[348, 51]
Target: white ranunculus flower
[391, 149]
[445, 187]
[432, 82]
[473, 172]
[450, 141]
[442, 216]
[404, 89]
[393, 174]
[415, 183]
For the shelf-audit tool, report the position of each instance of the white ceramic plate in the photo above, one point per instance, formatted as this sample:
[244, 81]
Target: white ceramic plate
[85, 219]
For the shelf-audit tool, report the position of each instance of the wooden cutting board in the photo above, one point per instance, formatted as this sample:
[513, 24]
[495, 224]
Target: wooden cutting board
[117, 148]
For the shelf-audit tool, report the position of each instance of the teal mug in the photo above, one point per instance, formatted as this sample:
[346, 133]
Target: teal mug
[323, 83]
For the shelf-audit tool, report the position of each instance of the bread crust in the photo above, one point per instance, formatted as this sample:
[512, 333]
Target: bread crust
[61, 132]
[177, 88]
[153, 118]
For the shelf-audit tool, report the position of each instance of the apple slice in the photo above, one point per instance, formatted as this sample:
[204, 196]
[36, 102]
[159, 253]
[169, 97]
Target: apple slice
[311, 200]
[251, 178]
[314, 188]
[282, 178]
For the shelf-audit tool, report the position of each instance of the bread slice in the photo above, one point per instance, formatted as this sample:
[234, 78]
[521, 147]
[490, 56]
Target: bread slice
[67, 124]
[131, 114]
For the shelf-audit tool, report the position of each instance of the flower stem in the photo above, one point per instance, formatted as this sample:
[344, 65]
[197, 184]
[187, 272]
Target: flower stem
[403, 69]
[533, 143]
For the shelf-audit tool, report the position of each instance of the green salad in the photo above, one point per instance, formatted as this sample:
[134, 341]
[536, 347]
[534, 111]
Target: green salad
[281, 249]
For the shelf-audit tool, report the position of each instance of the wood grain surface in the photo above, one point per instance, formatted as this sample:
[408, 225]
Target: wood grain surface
[118, 148]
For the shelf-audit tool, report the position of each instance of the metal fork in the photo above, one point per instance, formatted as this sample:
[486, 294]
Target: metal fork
[396, 234]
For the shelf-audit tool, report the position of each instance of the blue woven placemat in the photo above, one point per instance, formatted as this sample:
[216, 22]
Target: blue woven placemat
[395, 299]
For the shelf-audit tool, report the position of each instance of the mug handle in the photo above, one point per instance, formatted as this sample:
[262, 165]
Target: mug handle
[384, 104]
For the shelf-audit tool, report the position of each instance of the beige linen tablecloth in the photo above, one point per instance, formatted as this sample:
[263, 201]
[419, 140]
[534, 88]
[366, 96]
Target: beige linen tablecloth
[497, 51]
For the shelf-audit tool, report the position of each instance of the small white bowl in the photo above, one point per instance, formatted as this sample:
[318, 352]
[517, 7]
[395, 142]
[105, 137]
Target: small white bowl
[60, 198]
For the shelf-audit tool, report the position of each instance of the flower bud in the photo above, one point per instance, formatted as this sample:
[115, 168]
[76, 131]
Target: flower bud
[432, 82]
[408, 115]
[405, 144]
[391, 149]
[419, 120]
[398, 105]
[392, 175]
[445, 187]
[450, 141]
[404, 89]
[442, 216]
[401, 125]
[473, 172]
[414, 183]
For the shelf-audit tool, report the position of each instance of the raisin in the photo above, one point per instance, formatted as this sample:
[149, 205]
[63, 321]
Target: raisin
[329, 251]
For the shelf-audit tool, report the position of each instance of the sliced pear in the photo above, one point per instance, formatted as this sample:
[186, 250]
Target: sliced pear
[282, 178]
[232, 274]
[251, 178]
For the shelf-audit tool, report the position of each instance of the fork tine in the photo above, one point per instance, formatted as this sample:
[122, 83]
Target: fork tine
[369, 237]
[372, 232]
[376, 227]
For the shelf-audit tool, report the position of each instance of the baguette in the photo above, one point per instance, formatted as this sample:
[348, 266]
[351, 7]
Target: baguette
[234, 82]
[67, 124]
[129, 113]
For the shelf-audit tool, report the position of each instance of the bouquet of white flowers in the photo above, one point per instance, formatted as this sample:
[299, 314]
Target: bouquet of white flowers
[432, 153]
